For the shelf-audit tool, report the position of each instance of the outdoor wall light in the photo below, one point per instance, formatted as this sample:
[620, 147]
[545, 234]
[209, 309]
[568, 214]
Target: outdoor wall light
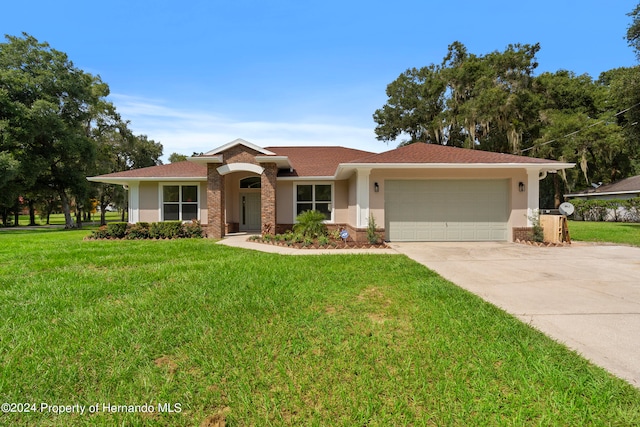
[376, 187]
[521, 187]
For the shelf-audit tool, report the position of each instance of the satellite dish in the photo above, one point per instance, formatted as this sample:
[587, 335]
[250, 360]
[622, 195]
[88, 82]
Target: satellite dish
[566, 208]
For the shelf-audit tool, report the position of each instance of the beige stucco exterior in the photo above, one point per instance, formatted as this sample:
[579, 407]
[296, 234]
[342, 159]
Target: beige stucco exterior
[354, 196]
[149, 207]
[518, 200]
[150, 196]
[345, 198]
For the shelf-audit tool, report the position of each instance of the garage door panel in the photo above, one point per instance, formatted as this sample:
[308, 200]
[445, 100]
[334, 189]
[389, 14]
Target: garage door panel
[440, 210]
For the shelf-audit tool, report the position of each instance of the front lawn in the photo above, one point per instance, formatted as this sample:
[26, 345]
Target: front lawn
[614, 232]
[211, 332]
[58, 219]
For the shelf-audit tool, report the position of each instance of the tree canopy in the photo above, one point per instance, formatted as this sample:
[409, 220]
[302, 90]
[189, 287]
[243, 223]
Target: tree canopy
[54, 119]
[466, 101]
[175, 158]
[495, 102]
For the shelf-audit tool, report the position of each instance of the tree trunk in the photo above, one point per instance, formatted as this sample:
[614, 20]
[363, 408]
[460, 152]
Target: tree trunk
[78, 216]
[103, 210]
[66, 209]
[16, 215]
[556, 191]
[32, 213]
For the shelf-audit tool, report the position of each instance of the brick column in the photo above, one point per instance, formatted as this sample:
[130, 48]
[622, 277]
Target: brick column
[215, 202]
[268, 197]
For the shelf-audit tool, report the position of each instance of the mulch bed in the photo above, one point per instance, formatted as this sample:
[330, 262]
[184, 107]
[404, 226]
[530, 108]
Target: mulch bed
[333, 245]
[542, 244]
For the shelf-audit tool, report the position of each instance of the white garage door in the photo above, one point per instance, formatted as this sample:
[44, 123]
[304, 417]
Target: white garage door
[446, 210]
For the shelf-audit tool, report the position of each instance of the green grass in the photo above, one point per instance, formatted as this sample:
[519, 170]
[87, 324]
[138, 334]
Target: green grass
[613, 232]
[58, 219]
[340, 340]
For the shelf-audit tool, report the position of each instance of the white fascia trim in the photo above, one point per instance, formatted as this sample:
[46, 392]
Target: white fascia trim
[239, 141]
[540, 166]
[205, 159]
[240, 167]
[347, 168]
[280, 161]
[606, 193]
[306, 178]
[121, 181]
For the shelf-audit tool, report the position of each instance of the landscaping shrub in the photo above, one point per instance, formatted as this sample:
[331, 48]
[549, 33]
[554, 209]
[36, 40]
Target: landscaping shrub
[310, 224]
[603, 210]
[156, 230]
[165, 230]
[372, 236]
[139, 230]
[537, 231]
[308, 241]
[117, 230]
[145, 230]
[632, 207]
[323, 240]
[192, 229]
[100, 233]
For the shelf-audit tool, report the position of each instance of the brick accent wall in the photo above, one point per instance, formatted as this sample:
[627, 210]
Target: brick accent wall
[522, 233]
[240, 154]
[360, 234]
[215, 203]
[268, 196]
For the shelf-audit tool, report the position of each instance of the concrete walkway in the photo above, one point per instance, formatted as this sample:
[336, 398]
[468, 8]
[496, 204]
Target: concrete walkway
[586, 296]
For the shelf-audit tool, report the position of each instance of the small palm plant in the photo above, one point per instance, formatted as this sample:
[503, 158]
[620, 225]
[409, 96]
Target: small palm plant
[310, 224]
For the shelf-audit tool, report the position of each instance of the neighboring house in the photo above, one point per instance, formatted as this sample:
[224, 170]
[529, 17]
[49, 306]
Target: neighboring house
[627, 188]
[419, 192]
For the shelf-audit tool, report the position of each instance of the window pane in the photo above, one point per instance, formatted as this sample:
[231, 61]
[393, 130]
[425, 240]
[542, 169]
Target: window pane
[304, 193]
[171, 212]
[171, 193]
[251, 182]
[190, 193]
[189, 211]
[302, 207]
[324, 208]
[323, 193]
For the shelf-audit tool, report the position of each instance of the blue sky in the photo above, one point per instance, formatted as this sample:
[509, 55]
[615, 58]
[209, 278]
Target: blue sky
[195, 75]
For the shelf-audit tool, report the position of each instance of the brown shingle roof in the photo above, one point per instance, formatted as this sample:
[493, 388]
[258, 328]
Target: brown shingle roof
[184, 169]
[323, 161]
[631, 184]
[317, 161]
[432, 153]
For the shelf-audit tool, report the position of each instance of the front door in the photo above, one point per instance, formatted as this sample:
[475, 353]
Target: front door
[249, 211]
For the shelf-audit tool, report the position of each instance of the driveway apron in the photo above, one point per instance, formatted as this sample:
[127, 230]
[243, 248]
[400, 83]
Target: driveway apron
[585, 296]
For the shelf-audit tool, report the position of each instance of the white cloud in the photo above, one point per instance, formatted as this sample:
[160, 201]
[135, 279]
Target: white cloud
[184, 131]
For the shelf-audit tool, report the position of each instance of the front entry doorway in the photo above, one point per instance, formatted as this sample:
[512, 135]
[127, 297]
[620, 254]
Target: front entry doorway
[250, 211]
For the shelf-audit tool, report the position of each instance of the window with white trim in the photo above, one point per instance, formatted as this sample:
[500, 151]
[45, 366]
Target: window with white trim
[251, 182]
[314, 197]
[179, 202]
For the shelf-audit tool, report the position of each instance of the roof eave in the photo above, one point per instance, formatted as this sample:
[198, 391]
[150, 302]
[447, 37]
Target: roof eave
[239, 141]
[306, 178]
[345, 168]
[281, 162]
[129, 179]
[602, 193]
[204, 160]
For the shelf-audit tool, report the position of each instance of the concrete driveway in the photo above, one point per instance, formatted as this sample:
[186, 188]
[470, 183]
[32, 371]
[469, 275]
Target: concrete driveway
[586, 296]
